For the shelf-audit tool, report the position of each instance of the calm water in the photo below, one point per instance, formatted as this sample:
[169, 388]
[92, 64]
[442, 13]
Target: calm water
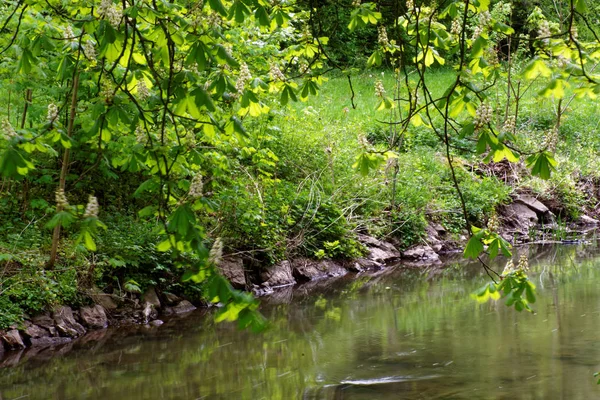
[403, 335]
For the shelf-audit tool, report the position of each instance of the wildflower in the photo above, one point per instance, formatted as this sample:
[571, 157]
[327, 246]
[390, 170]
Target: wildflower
[89, 50]
[244, 77]
[276, 73]
[52, 112]
[561, 62]
[551, 139]
[410, 5]
[477, 31]
[61, 199]
[483, 115]
[142, 90]
[356, 3]
[382, 36]
[92, 208]
[140, 135]
[9, 131]
[509, 124]
[196, 186]
[216, 252]
[111, 12]
[509, 268]
[544, 31]
[379, 89]
[485, 18]
[493, 223]
[523, 263]
[456, 28]
[68, 34]
[214, 19]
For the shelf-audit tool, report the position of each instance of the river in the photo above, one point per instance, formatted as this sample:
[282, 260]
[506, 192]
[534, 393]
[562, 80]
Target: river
[402, 334]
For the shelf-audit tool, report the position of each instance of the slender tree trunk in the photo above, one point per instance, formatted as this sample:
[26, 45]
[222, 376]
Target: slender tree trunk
[63, 171]
[28, 99]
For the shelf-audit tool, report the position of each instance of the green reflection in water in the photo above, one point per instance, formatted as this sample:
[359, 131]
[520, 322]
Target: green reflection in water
[412, 334]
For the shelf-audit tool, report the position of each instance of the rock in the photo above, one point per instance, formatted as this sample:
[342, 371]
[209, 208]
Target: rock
[232, 268]
[520, 217]
[151, 297]
[379, 251]
[66, 324]
[103, 299]
[171, 299]
[182, 307]
[12, 339]
[363, 264]
[586, 220]
[308, 270]
[532, 203]
[156, 322]
[33, 331]
[543, 213]
[421, 253]
[49, 341]
[278, 275]
[149, 312]
[94, 317]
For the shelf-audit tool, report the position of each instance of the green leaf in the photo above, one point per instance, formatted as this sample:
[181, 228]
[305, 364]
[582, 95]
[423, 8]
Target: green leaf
[218, 6]
[541, 164]
[474, 248]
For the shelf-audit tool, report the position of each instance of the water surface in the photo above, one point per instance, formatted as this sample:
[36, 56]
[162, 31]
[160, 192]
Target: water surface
[404, 334]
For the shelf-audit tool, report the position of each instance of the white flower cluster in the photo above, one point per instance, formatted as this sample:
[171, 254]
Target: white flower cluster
[562, 62]
[364, 142]
[140, 135]
[573, 31]
[89, 50]
[111, 12]
[92, 208]
[523, 263]
[483, 115]
[477, 32]
[551, 139]
[379, 89]
[107, 91]
[276, 73]
[509, 124]
[52, 112]
[304, 68]
[485, 18]
[382, 36]
[9, 131]
[491, 55]
[243, 77]
[456, 27]
[356, 3]
[410, 5]
[196, 186]
[493, 223]
[214, 19]
[68, 34]
[216, 252]
[508, 268]
[544, 31]
[61, 199]
[142, 90]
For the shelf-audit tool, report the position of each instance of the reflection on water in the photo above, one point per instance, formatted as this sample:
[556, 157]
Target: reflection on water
[412, 334]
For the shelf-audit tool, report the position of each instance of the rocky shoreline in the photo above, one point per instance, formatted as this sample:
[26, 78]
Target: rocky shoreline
[524, 220]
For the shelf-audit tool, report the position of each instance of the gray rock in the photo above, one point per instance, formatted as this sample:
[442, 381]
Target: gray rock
[533, 203]
[308, 270]
[182, 307]
[422, 253]
[520, 216]
[12, 339]
[278, 275]
[94, 317]
[151, 297]
[379, 251]
[66, 324]
[156, 322]
[33, 331]
[103, 299]
[49, 341]
[171, 299]
[363, 264]
[232, 268]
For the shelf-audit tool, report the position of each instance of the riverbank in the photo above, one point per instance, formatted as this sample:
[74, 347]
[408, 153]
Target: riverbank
[525, 220]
